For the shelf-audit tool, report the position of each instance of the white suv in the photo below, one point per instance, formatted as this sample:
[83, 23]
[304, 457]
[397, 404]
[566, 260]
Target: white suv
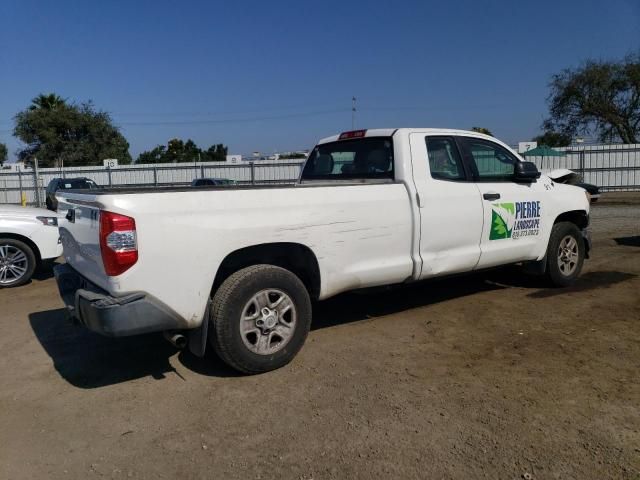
[28, 236]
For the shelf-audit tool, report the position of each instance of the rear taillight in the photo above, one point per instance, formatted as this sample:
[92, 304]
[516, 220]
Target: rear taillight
[118, 243]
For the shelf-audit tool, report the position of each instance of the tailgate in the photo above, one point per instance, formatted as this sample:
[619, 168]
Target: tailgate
[80, 234]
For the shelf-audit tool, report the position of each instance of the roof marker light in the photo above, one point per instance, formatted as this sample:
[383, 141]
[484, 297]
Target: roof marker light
[352, 134]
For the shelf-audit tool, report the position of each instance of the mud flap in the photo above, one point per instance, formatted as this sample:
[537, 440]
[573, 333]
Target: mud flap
[586, 236]
[536, 268]
[198, 336]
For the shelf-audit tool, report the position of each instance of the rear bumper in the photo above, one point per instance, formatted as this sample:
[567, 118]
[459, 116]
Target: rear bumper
[102, 313]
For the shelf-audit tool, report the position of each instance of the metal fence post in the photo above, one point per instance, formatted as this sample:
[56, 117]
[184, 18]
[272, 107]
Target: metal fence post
[155, 176]
[36, 183]
[23, 197]
[253, 172]
[201, 171]
[581, 160]
[109, 175]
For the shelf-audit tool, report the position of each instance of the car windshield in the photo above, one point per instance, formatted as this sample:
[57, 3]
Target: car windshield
[77, 184]
[351, 159]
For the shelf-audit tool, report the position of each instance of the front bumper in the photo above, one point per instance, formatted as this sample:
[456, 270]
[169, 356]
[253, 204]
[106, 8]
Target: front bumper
[100, 312]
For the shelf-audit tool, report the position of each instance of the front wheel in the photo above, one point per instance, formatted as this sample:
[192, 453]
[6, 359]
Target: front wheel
[261, 317]
[17, 263]
[565, 254]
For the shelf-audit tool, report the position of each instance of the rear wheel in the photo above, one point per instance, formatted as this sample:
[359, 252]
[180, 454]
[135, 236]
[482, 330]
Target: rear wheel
[565, 254]
[17, 263]
[261, 317]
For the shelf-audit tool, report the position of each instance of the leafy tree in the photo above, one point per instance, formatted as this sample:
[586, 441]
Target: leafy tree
[178, 151]
[553, 139]
[175, 151]
[216, 153]
[486, 131]
[190, 152]
[292, 155]
[598, 97]
[155, 155]
[3, 153]
[57, 132]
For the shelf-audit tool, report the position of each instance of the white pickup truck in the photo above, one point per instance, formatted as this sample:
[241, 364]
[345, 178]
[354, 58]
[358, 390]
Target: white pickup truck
[237, 267]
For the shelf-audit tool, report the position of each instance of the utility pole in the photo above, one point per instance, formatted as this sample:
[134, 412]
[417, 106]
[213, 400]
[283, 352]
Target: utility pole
[353, 113]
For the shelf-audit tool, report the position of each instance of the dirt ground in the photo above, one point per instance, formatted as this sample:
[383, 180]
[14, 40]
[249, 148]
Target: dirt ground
[485, 376]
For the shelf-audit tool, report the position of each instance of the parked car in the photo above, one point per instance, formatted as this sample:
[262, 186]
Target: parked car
[569, 177]
[238, 267]
[207, 182]
[79, 183]
[28, 237]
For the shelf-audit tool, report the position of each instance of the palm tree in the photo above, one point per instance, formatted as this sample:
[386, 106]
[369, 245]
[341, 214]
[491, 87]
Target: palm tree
[47, 101]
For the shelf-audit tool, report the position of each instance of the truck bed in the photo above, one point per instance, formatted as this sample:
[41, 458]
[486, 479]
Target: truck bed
[184, 233]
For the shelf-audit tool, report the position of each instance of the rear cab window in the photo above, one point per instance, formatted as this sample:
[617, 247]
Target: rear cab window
[359, 158]
[445, 162]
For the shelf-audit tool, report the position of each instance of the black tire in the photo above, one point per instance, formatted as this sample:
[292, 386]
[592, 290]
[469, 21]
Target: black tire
[229, 304]
[30, 263]
[555, 274]
[50, 206]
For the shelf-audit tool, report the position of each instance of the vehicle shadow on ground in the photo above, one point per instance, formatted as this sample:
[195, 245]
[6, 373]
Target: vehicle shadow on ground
[633, 241]
[587, 281]
[43, 273]
[88, 360]
[361, 305]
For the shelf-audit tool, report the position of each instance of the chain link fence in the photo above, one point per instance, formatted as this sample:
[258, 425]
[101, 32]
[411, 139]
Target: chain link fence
[29, 185]
[611, 167]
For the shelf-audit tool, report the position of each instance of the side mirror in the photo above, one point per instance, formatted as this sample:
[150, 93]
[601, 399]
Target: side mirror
[526, 172]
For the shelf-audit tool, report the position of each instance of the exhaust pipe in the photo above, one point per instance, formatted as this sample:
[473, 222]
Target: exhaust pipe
[176, 339]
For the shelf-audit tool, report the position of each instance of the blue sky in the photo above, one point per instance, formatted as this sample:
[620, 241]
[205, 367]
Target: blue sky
[278, 75]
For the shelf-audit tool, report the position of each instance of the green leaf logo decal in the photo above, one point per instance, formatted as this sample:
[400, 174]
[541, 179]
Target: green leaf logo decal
[502, 216]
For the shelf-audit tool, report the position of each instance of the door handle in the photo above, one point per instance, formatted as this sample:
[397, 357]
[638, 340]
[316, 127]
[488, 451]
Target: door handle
[491, 196]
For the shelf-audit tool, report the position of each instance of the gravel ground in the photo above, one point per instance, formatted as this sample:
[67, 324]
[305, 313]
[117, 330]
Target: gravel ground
[486, 376]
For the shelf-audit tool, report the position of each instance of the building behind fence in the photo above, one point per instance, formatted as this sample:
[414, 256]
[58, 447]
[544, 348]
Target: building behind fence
[611, 167]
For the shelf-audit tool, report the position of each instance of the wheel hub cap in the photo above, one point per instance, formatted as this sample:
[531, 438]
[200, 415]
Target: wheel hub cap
[13, 264]
[268, 321]
[568, 255]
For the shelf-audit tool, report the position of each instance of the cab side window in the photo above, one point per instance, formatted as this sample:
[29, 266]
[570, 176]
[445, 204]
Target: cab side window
[445, 162]
[491, 162]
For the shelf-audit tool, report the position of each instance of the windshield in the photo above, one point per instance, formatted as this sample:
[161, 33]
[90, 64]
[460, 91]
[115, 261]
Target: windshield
[351, 159]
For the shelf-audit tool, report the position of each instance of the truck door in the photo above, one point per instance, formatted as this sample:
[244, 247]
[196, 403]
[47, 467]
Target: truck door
[512, 211]
[450, 206]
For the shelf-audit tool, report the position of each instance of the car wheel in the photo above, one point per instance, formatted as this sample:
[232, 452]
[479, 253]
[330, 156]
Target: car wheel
[261, 317]
[17, 262]
[565, 254]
